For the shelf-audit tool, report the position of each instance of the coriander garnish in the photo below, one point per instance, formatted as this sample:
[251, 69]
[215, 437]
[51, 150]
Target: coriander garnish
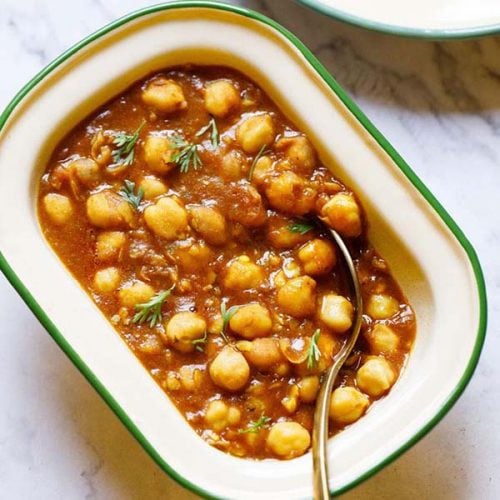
[199, 344]
[300, 227]
[214, 135]
[226, 314]
[255, 426]
[255, 160]
[313, 353]
[186, 155]
[125, 143]
[151, 310]
[127, 192]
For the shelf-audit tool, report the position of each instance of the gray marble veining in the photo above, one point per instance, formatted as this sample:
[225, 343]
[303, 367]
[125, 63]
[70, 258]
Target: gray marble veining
[438, 103]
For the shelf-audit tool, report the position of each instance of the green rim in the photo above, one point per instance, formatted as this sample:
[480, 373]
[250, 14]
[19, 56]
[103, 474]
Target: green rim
[412, 177]
[429, 34]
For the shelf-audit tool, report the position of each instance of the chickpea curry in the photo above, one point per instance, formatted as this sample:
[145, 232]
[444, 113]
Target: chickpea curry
[182, 207]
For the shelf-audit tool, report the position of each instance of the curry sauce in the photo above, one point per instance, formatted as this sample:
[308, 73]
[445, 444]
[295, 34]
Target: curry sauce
[183, 207]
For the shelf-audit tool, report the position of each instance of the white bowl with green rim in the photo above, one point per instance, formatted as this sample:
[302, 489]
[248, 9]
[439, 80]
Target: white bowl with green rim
[433, 19]
[429, 255]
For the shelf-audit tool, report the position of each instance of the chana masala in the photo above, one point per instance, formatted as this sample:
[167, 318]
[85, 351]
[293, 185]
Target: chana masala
[184, 207]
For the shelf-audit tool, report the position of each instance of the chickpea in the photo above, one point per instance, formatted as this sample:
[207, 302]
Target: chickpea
[86, 171]
[328, 346]
[255, 132]
[232, 165]
[283, 369]
[251, 321]
[317, 257]
[308, 388]
[376, 376]
[135, 293]
[297, 297]
[233, 415]
[336, 312]
[219, 415]
[288, 439]
[217, 410]
[299, 152]
[290, 194]
[194, 257]
[279, 234]
[58, 207]
[347, 405]
[106, 280]
[158, 154]
[216, 415]
[172, 382]
[343, 214]
[263, 353]
[190, 377]
[221, 98]
[382, 306]
[184, 327]
[108, 209]
[164, 95]
[291, 401]
[254, 440]
[279, 279]
[209, 223]
[109, 244]
[382, 339]
[248, 209]
[152, 187]
[262, 171]
[167, 218]
[243, 274]
[229, 370]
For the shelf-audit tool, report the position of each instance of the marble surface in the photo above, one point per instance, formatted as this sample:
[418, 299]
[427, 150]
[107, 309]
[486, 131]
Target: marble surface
[438, 103]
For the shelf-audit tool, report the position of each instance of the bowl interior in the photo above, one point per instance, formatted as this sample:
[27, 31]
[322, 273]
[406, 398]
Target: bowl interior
[431, 266]
[437, 18]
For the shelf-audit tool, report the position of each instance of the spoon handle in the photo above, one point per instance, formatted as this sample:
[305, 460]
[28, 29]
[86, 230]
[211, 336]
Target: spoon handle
[320, 429]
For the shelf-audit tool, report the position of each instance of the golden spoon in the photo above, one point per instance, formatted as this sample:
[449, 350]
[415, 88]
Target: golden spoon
[320, 429]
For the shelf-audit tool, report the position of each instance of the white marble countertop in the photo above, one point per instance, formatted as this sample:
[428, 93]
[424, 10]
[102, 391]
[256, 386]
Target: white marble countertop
[438, 103]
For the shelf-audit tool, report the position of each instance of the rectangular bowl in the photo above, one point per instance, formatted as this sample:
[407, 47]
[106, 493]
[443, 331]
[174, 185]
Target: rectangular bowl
[428, 254]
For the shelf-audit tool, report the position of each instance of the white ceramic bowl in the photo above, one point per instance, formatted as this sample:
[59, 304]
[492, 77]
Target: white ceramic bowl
[429, 255]
[435, 19]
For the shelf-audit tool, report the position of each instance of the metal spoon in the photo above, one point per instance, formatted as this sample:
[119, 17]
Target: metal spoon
[320, 429]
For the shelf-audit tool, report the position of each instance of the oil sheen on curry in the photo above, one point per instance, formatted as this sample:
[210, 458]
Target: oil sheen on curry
[182, 207]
